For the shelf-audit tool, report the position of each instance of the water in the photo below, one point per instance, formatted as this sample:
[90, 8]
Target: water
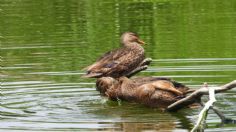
[45, 44]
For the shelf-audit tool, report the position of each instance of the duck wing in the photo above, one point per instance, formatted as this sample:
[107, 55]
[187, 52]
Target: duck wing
[107, 61]
[116, 63]
[123, 62]
[166, 86]
[102, 60]
[144, 80]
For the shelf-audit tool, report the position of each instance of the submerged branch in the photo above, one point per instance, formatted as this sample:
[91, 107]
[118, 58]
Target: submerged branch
[196, 96]
[203, 113]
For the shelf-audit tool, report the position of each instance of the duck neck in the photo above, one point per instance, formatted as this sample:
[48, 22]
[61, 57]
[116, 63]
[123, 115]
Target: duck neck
[133, 45]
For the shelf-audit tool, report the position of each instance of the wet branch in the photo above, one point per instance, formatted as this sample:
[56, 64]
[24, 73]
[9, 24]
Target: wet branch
[137, 70]
[203, 114]
[142, 66]
[196, 96]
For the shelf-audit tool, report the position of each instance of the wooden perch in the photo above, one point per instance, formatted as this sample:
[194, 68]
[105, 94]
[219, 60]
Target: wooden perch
[142, 66]
[196, 96]
[137, 70]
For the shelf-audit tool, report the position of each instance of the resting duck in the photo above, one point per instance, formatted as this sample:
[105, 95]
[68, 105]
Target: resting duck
[119, 62]
[150, 91]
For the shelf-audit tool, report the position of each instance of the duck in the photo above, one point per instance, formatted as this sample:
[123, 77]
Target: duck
[118, 62]
[155, 92]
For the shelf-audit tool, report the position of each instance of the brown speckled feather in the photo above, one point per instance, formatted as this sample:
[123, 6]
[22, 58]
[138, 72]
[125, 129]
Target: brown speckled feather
[150, 91]
[118, 62]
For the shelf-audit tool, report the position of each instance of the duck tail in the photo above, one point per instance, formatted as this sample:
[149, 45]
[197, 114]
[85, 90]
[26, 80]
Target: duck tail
[86, 68]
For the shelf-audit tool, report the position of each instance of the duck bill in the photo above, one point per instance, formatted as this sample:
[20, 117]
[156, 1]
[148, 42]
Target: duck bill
[141, 42]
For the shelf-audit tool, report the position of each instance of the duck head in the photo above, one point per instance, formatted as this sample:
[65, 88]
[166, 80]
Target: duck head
[128, 38]
[104, 83]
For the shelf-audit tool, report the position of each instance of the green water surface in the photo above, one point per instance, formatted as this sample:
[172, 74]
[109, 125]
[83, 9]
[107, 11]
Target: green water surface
[46, 43]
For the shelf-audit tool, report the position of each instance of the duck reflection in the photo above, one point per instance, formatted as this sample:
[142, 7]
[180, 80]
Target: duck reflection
[144, 120]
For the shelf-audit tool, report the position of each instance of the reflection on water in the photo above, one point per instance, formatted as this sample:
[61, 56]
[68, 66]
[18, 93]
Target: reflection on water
[45, 44]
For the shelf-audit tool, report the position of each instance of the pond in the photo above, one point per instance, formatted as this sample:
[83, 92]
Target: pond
[46, 44]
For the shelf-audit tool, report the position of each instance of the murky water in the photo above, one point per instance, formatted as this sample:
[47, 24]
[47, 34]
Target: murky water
[45, 44]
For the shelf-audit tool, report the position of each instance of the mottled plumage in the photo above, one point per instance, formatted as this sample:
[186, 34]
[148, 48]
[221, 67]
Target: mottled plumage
[150, 91]
[119, 62]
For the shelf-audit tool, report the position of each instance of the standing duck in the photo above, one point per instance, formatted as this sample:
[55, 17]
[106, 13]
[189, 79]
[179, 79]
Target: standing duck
[119, 62]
